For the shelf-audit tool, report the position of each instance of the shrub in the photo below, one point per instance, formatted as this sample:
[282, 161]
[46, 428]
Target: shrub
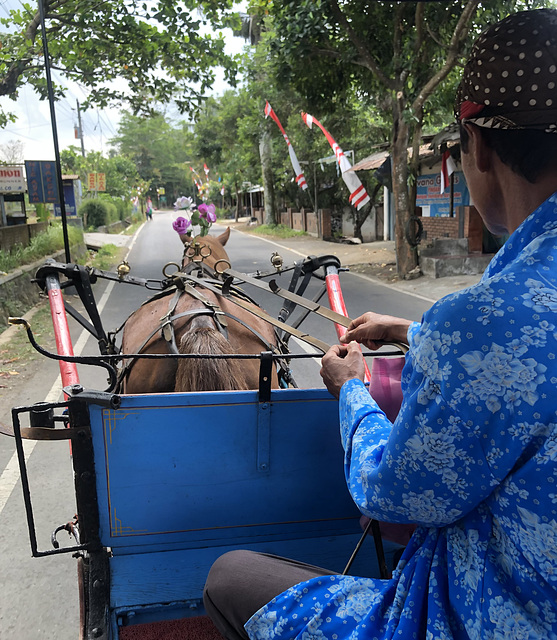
[94, 213]
[43, 244]
[124, 208]
[112, 212]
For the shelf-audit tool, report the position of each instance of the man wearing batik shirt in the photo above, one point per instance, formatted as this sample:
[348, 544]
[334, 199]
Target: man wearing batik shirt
[472, 455]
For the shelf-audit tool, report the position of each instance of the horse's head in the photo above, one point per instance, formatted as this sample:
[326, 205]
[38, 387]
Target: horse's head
[207, 249]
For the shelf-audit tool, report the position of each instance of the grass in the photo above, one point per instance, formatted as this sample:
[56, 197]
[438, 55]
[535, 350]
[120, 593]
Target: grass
[129, 231]
[276, 231]
[42, 245]
[16, 354]
[107, 256]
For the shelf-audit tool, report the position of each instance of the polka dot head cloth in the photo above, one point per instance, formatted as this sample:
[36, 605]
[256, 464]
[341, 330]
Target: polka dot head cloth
[510, 80]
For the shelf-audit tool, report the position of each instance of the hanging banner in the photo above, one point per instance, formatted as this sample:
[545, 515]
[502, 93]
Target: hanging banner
[300, 178]
[358, 195]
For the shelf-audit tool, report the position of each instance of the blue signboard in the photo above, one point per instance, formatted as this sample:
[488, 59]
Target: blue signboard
[434, 203]
[69, 200]
[42, 183]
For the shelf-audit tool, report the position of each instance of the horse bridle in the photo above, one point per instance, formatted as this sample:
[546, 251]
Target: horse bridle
[184, 282]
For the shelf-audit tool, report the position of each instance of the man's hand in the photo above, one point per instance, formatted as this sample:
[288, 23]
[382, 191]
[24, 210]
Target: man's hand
[372, 329]
[339, 364]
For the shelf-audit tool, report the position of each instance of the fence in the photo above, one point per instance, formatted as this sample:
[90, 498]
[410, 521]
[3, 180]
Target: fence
[466, 223]
[316, 224]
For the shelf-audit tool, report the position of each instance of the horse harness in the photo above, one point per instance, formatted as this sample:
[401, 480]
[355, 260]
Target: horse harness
[186, 283]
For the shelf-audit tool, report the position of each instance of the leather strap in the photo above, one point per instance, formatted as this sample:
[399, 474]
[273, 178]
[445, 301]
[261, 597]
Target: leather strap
[320, 310]
[256, 311]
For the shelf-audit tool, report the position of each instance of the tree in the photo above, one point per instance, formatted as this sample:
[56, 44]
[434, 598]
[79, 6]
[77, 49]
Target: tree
[392, 56]
[121, 175]
[225, 136]
[156, 49]
[12, 152]
[158, 149]
[252, 30]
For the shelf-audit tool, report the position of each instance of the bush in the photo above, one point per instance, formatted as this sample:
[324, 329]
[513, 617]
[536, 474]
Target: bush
[43, 244]
[94, 213]
[124, 208]
[112, 213]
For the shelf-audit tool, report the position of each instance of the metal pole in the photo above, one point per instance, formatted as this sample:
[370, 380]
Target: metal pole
[54, 133]
[80, 129]
[3, 211]
[451, 212]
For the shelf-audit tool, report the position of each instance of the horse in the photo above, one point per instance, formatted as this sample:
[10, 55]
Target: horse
[197, 327]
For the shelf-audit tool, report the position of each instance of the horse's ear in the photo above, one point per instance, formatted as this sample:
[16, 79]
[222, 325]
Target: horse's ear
[223, 238]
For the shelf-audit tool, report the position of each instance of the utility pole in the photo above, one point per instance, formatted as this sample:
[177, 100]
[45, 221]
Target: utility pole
[80, 129]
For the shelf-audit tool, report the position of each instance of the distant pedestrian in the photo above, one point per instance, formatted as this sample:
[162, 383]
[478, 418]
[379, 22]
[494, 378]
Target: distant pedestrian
[149, 209]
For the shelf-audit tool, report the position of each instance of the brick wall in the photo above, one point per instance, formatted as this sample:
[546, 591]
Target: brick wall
[440, 228]
[473, 229]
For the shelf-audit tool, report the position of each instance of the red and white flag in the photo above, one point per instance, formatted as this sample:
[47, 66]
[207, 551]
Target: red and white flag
[300, 178]
[222, 190]
[358, 194]
[448, 167]
[206, 168]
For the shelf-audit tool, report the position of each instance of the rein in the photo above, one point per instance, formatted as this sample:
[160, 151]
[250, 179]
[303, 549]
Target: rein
[185, 283]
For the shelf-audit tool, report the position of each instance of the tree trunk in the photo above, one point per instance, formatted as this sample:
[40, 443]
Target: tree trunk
[407, 257]
[267, 169]
[361, 217]
[237, 212]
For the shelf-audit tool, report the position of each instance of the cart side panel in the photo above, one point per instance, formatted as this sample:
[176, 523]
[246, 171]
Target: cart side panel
[190, 470]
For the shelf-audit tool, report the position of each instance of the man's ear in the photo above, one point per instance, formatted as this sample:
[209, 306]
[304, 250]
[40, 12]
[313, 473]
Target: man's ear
[482, 153]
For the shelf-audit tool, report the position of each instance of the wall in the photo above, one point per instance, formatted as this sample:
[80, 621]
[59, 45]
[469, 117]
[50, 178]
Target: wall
[18, 294]
[303, 220]
[19, 234]
[439, 228]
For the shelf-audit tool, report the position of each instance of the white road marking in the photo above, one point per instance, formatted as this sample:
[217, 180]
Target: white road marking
[10, 475]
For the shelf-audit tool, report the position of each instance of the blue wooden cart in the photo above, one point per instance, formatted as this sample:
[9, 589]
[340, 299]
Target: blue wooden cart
[165, 483]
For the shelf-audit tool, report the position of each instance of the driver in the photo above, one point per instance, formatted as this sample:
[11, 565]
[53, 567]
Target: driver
[472, 455]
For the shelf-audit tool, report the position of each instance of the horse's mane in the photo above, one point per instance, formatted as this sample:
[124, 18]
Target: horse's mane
[216, 374]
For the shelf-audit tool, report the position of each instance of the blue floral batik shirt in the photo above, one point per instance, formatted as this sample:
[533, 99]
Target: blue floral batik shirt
[471, 458]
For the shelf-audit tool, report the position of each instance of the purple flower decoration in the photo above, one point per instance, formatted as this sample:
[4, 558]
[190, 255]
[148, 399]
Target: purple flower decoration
[181, 225]
[208, 212]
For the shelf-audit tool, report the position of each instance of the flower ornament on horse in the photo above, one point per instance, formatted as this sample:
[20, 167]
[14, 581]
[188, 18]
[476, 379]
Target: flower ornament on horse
[201, 217]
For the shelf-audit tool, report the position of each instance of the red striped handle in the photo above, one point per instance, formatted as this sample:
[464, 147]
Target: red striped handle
[336, 302]
[68, 370]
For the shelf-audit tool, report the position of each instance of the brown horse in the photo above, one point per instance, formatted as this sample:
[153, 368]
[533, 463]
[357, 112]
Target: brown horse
[196, 331]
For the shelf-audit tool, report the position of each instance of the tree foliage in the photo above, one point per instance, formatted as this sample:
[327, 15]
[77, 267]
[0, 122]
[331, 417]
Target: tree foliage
[391, 55]
[142, 54]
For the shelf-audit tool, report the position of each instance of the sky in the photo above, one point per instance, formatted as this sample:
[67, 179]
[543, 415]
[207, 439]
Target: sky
[33, 125]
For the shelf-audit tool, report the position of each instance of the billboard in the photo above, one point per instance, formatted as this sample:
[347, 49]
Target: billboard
[42, 183]
[434, 203]
[12, 179]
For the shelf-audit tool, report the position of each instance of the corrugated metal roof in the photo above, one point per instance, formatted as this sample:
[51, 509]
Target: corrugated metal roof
[371, 162]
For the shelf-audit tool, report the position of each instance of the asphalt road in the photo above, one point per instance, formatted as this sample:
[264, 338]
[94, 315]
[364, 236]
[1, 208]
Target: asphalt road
[39, 596]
